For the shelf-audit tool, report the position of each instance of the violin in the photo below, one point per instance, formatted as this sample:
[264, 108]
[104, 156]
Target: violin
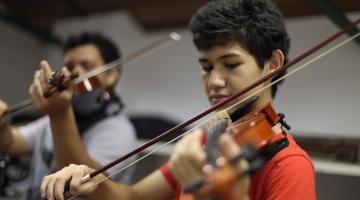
[253, 133]
[89, 81]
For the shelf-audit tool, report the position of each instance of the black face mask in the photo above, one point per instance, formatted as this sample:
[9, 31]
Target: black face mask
[93, 106]
[90, 103]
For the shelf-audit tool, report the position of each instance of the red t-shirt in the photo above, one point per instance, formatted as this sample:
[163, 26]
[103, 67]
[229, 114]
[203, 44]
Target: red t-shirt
[288, 175]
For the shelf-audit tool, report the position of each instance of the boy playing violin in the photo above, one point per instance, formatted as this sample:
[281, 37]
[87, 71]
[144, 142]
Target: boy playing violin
[78, 128]
[239, 42]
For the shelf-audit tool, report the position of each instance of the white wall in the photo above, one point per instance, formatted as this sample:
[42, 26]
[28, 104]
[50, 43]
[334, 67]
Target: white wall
[324, 98]
[321, 100]
[20, 54]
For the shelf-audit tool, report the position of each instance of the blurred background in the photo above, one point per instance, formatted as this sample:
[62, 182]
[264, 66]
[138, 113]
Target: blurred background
[321, 103]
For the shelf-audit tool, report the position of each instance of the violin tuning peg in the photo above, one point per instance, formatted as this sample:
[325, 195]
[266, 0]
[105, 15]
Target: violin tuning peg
[283, 122]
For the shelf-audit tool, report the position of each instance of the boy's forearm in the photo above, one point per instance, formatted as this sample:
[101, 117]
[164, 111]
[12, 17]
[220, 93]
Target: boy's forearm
[68, 147]
[109, 190]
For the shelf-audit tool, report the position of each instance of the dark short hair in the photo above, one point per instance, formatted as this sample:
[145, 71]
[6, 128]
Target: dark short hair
[107, 48]
[257, 25]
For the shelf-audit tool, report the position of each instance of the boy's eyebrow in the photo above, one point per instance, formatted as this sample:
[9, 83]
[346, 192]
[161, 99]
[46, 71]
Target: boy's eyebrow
[223, 56]
[202, 59]
[228, 54]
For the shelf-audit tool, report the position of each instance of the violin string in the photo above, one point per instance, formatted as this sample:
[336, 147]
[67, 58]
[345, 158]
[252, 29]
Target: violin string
[230, 107]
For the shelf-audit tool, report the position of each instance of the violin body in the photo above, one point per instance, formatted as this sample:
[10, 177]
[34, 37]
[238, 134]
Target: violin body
[87, 85]
[254, 129]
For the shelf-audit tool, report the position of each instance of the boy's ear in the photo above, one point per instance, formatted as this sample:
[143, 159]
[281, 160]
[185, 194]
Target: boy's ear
[277, 60]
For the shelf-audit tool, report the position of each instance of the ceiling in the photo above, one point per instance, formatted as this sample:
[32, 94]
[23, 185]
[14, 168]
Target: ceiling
[151, 14]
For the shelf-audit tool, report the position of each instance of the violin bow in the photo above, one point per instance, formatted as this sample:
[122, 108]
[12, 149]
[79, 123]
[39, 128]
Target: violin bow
[165, 41]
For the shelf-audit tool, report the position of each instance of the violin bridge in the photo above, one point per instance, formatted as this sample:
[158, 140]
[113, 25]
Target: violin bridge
[221, 115]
